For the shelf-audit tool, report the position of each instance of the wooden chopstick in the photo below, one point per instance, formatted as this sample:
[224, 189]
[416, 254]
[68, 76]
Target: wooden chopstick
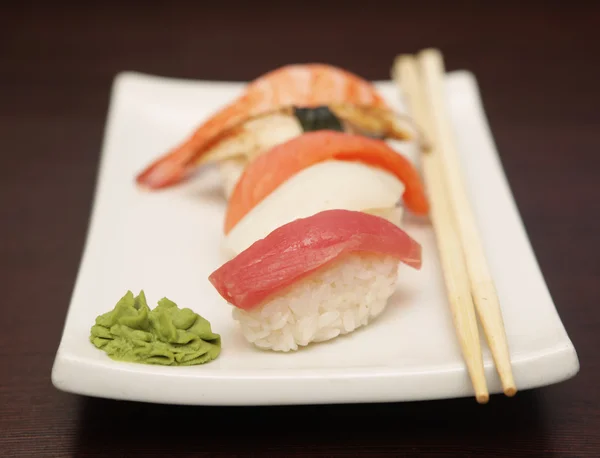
[482, 284]
[405, 73]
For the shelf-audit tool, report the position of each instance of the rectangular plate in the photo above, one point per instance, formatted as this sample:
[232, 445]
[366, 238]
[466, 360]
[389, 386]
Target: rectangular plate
[168, 242]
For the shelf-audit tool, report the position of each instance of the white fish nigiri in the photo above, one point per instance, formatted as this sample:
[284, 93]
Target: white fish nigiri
[324, 186]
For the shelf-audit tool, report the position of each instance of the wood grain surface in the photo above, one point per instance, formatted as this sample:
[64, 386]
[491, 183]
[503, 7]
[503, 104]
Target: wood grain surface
[539, 72]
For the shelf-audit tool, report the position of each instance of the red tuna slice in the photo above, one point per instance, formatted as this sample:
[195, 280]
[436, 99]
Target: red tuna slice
[295, 250]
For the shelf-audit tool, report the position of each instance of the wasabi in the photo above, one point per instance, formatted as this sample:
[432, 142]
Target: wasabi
[167, 335]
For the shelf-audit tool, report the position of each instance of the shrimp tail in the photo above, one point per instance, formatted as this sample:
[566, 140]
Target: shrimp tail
[176, 165]
[167, 170]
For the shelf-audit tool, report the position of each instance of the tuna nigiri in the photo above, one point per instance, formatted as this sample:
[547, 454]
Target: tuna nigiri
[315, 278]
[277, 165]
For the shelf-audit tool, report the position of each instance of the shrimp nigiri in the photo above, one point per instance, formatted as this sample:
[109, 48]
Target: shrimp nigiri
[307, 85]
[244, 142]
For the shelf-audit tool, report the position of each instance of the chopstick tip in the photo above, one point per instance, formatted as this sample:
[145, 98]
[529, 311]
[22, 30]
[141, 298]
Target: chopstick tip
[482, 398]
[510, 391]
[430, 52]
[401, 60]
[403, 57]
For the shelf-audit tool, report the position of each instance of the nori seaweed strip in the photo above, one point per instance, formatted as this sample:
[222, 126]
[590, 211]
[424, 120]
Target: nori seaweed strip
[318, 118]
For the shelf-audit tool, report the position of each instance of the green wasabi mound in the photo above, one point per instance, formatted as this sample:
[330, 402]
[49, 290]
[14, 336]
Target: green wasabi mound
[167, 335]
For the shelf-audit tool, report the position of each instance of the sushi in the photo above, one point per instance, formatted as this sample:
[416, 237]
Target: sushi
[326, 185]
[272, 169]
[301, 86]
[238, 146]
[315, 278]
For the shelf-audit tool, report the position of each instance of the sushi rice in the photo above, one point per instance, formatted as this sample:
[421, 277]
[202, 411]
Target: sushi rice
[230, 171]
[332, 301]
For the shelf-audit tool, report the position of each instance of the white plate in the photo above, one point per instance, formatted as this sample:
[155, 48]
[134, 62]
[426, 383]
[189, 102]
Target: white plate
[167, 243]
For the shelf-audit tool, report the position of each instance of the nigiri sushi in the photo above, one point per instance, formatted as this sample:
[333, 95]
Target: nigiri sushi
[305, 85]
[276, 166]
[237, 147]
[324, 186]
[315, 278]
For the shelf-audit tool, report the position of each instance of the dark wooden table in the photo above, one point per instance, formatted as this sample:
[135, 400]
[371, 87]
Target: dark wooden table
[539, 71]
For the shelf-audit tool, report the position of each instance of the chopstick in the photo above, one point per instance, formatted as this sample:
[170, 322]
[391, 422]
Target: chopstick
[431, 106]
[450, 250]
[482, 283]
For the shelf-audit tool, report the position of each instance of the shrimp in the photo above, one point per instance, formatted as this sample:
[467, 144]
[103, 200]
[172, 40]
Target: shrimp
[301, 85]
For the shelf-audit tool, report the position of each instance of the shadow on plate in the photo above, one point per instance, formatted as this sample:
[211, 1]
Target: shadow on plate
[119, 426]
[212, 194]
